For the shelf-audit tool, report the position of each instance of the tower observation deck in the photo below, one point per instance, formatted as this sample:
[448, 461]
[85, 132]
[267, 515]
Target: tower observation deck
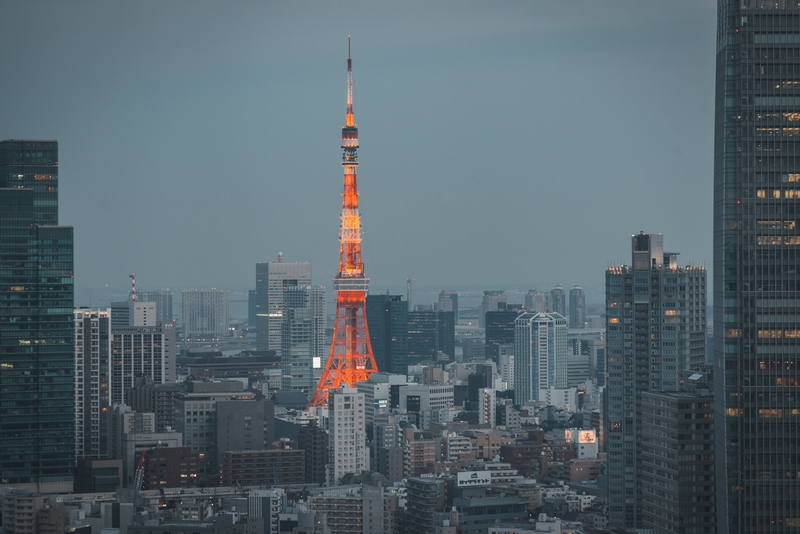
[350, 359]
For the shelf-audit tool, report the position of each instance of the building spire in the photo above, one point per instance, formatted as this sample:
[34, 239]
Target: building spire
[350, 121]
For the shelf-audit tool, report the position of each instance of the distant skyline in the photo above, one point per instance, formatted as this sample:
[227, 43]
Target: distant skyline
[503, 145]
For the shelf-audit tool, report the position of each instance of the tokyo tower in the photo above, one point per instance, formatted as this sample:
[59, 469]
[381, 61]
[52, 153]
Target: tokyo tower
[350, 359]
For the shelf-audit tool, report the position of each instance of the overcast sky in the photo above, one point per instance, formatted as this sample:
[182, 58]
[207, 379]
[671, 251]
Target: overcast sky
[503, 144]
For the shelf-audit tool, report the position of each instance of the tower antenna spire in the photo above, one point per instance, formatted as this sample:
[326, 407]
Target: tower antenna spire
[350, 359]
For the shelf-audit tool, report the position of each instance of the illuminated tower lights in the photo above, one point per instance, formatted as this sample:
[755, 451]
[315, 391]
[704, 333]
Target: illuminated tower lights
[350, 359]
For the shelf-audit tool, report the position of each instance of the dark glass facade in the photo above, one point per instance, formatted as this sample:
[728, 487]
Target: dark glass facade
[37, 427]
[387, 317]
[430, 332]
[756, 253]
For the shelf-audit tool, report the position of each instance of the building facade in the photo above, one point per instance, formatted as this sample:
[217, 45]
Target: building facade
[140, 351]
[303, 347]
[431, 335]
[655, 323]
[577, 307]
[756, 326]
[448, 301]
[205, 314]
[272, 278]
[92, 359]
[347, 434]
[559, 300]
[540, 354]
[387, 317]
[37, 430]
[163, 301]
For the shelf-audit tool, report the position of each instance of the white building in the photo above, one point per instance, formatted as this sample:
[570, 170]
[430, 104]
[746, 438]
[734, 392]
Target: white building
[92, 358]
[540, 354]
[487, 407]
[377, 392]
[564, 398]
[346, 435]
[140, 351]
[505, 362]
[584, 442]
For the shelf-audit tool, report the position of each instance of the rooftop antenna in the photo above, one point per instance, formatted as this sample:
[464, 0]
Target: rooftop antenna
[132, 276]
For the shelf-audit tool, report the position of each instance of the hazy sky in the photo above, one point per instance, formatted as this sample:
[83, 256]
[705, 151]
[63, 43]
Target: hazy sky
[503, 144]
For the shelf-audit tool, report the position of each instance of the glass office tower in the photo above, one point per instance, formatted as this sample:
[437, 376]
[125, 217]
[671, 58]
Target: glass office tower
[37, 425]
[756, 253]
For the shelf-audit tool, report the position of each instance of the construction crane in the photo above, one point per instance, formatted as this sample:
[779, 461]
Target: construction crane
[138, 479]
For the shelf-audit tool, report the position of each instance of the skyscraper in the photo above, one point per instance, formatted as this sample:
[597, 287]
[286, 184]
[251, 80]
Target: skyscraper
[302, 337]
[448, 301]
[756, 326]
[491, 299]
[577, 307]
[271, 280]
[346, 438]
[559, 300]
[205, 314]
[429, 334]
[37, 429]
[655, 323]
[92, 358]
[540, 354]
[387, 316]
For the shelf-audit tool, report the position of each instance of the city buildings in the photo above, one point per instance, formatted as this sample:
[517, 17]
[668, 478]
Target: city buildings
[448, 301]
[577, 307]
[431, 336]
[347, 434]
[272, 278]
[205, 314]
[92, 358]
[163, 301]
[559, 300]
[302, 337]
[656, 315]
[756, 326]
[387, 316]
[37, 430]
[540, 354]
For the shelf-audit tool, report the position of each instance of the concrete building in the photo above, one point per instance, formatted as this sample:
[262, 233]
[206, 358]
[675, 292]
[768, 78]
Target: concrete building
[656, 322]
[121, 419]
[205, 314]
[272, 278]
[244, 425]
[487, 407]
[267, 504]
[678, 487]
[379, 392]
[171, 467]
[303, 342]
[540, 354]
[133, 443]
[559, 300]
[128, 313]
[347, 434]
[147, 351]
[92, 358]
[425, 497]
[313, 441]
[162, 299]
[265, 467]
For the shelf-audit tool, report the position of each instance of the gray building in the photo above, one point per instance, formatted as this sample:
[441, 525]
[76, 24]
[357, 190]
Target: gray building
[448, 301]
[577, 307]
[92, 358]
[303, 346]
[205, 314]
[147, 351]
[655, 322]
[163, 301]
[490, 301]
[678, 490]
[559, 300]
[387, 317]
[244, 425]
[272, 278]
[756, 305]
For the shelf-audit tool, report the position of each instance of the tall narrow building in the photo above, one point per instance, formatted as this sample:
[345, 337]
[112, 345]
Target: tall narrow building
[577, 307]
[302, 337]
[540, 354]
[559, 300]
[655, 323]
[205, 314]
[272, 278]
[346, 437]
[92, 359]
[756, 287]
[37, 427]
[387, 316]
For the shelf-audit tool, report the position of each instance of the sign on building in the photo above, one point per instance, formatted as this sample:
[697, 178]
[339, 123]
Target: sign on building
[473, 478]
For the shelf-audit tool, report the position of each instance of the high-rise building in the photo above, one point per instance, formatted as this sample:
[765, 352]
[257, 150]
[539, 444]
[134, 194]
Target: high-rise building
[346, 437]
[314, 441]
[559, 300]
[448, 301]
[500, 328]
[756, 326]
[272, 278]
[387, 316]
[431, 336]
[577, 307]
[140, 351]
[540, 354]
[302, 337]
[205, 314]
[487, 407]
[37, 428]
[133, 313]
[92, 358]
[491, 299]
[163, 301]
[538, 302]
[655, 323]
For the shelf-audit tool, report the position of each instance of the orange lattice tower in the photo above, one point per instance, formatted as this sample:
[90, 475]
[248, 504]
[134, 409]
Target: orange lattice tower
[350, 359]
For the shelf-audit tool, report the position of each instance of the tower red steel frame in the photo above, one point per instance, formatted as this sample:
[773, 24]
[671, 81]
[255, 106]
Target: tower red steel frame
[350, 359]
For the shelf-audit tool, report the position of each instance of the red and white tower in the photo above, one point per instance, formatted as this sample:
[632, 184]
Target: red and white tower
[350, 359]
